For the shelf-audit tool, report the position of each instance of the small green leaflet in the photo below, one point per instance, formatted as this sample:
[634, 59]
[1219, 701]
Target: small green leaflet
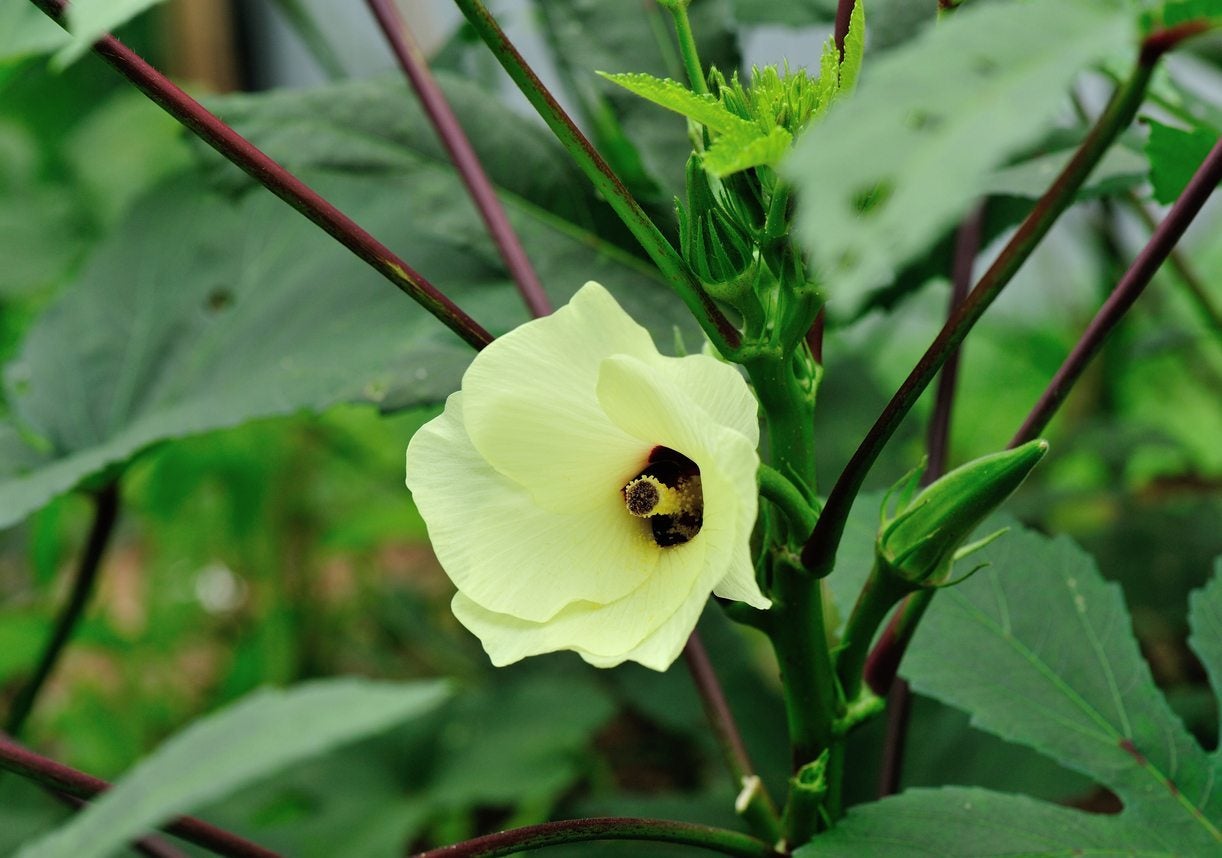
[89, 20]
[1175, 154]
[672, 95]
[218, 754]
[733, 153]
[26, 31]
[887, 172]
[740, 143]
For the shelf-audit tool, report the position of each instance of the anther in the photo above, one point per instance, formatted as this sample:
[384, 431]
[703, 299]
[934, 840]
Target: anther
[647, 496]
[667, 493]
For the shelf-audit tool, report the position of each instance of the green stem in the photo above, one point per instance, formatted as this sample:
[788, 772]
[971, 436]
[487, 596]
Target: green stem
[719, 329]
[106, 513]
[786, 497]
[883, 664]
[687, 46]
[606, 828]
[795, 622]
[255, 163]
[800, 641]
[819, 554]
[879, 595]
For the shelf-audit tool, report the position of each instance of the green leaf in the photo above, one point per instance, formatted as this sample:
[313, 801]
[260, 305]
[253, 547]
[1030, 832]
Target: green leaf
[647, 147]
[1180, 11]
[218, 754]
[854, 48]
[1075, 685]
[26, 31]
[89, 20]
[731, 153]
[672, 95]
[1175, 154]
[1205, 620]
[207, 309]
[886, 172]
[977, 823]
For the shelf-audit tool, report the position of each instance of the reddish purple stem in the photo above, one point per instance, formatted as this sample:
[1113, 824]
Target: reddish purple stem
[62, 779]
[234, 147]
[1131, 285]
[844, 15]
[414, 64]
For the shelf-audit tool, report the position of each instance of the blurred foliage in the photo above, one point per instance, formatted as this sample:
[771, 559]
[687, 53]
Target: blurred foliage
[285, 549]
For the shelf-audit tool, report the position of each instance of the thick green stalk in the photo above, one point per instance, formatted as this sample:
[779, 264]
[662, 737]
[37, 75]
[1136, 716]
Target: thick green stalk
[819, 554]
[786, 497]
[687, 45]
[879, 595]
[883, 663]
[795, 622]
[719, 329]
[606, 828]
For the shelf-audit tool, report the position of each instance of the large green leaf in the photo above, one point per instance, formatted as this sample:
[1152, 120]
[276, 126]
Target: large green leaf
[25, 31]
[977, 823]
[887, 171]
[1175, 154]
[519, 741]
[1039, 650]
[89, 20]
[1205, 619]
[216, 755]
[212, 306]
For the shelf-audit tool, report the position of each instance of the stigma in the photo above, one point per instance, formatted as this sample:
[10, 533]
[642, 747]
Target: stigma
[667, 492]
[647, 496]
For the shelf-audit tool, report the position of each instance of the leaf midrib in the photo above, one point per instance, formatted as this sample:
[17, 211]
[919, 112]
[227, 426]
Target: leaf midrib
[1195, 812]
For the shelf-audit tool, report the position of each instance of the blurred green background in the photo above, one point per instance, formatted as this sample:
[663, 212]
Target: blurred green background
[288, 548]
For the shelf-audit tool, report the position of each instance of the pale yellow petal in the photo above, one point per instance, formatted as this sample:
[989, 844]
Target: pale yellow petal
[717, 388]
[739, 583]
[602, 631]
[532, 411]
[646, 404]
[505, 552]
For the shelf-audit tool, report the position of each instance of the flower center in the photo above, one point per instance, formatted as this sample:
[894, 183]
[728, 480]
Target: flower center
[667, 492]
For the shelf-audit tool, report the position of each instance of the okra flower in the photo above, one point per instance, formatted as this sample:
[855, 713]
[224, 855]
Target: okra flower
[585, 492]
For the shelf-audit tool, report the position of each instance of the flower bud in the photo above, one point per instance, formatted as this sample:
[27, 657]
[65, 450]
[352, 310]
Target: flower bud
[717, 246]
[921, 541]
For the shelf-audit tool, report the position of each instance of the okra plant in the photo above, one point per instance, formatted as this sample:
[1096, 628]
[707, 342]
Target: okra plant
[635, 443]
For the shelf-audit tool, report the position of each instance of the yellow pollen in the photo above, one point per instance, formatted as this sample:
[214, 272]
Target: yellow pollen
[647, 496]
